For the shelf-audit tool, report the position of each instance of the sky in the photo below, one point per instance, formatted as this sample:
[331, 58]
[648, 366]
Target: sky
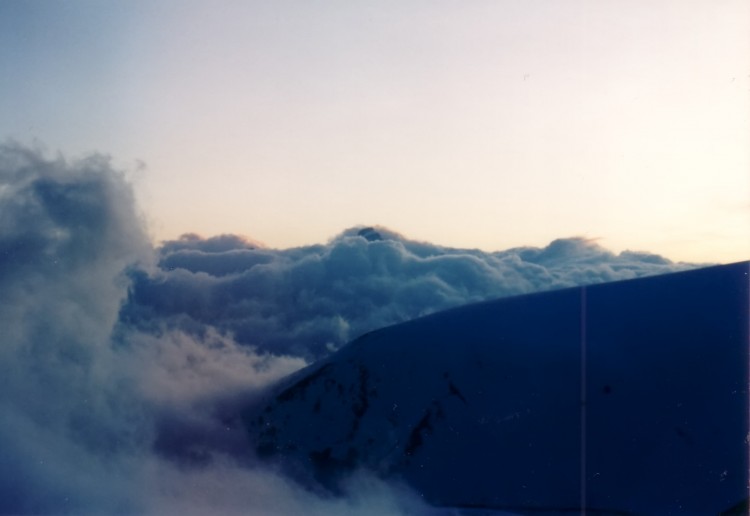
[479, 124]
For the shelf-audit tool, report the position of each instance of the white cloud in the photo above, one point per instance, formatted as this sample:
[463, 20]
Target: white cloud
[306, 301]
[111, 408]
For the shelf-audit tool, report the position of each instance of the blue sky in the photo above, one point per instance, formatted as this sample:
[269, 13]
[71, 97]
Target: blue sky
[478, 124]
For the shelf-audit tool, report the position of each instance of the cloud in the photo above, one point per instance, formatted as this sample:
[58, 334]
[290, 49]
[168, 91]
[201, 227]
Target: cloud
[122, 366]
[67, 231]
[230, 490]
[97, 416]
[311, 300]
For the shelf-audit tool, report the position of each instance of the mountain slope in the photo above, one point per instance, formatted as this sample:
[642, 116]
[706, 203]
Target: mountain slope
[629, 396]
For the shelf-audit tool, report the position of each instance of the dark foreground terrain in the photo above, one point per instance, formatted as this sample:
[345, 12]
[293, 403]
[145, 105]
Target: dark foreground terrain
[620, 398]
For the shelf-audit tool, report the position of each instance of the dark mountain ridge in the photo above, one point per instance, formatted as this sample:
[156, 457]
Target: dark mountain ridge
[625, 397]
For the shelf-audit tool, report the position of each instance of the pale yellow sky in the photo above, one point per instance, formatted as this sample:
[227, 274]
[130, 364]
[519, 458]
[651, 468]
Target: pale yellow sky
[475, 124]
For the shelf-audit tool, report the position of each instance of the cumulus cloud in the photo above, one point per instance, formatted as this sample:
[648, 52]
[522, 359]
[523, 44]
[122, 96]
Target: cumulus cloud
[122, 366]
[311, 300]
[67, 231]
[97, 416]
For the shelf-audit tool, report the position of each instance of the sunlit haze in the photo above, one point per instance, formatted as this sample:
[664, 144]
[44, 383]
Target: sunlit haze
[486, 124]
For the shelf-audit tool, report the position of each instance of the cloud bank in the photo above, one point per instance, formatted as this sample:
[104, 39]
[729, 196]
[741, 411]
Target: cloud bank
[121, 365]
[311, 300]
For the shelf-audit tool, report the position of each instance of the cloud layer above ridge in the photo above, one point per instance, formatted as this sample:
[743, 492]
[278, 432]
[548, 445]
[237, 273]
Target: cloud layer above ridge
[121, 365]
[308, 301]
